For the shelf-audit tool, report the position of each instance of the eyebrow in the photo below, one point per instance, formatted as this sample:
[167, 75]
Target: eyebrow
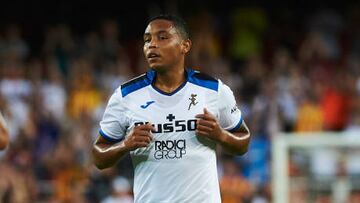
[158, 32]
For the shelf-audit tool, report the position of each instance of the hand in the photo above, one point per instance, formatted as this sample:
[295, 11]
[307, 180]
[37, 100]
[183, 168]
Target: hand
[208, 126]
[139, 137]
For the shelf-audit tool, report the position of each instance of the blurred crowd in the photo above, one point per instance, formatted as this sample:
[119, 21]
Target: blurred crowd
[288, 75]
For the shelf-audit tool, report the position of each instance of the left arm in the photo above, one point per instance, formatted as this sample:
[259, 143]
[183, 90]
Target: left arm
[4, 136]
[234, 142]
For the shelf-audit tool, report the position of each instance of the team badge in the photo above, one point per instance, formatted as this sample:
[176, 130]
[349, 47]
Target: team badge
[193, 100]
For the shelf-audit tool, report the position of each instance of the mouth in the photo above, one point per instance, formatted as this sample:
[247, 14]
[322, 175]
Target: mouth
[153, 55]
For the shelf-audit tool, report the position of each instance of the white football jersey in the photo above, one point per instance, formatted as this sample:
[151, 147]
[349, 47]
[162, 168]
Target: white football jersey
[178, 166]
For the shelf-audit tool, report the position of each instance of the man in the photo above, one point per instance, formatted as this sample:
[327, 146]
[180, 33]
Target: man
[170, 120]
[4, 137]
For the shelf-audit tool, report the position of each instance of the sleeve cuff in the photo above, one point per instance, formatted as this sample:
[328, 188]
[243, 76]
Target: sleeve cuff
[107, 137]
[237, 126]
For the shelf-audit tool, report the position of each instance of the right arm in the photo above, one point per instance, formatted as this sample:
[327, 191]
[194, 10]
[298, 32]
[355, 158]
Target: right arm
[4, 136]
[106, 153]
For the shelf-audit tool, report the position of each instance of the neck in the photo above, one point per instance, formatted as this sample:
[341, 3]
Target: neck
[169, 80]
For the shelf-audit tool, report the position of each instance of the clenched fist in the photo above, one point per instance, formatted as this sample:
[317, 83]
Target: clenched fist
[140, 136]
[208, 126]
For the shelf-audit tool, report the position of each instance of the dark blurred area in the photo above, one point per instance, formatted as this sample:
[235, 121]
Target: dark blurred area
[293, 68]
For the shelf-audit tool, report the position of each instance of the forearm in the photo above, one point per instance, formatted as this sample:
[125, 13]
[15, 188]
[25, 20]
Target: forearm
[106, 156]
[106, 153]
[235, 143]
[4, 139]
[4, 136]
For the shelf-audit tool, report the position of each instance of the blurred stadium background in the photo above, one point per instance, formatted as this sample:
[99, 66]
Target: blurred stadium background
[294, 68]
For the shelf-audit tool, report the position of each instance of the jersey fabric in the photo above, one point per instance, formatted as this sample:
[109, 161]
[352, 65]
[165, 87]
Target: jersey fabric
[178, 166]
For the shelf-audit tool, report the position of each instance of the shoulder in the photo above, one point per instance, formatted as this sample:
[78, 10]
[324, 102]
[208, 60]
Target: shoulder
[203, 80]
[136, 83]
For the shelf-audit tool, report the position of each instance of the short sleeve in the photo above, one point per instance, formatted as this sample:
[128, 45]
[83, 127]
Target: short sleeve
[114, 122]
[230, 117]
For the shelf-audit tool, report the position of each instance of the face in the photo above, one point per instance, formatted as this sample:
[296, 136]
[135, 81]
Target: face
[164, 47]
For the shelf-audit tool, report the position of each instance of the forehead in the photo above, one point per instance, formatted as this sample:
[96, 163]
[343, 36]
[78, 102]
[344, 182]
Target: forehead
[160, 25]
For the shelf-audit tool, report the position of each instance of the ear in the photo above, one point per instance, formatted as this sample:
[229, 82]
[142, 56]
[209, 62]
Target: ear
[186, 46]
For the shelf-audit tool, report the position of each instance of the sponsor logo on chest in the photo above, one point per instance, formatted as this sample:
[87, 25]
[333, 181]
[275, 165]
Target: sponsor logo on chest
[171, 149]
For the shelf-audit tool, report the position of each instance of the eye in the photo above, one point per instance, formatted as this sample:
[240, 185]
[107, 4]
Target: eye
[147, 39]
[163, 37]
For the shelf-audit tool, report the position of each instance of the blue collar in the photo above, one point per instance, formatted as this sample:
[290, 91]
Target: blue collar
[151, 76]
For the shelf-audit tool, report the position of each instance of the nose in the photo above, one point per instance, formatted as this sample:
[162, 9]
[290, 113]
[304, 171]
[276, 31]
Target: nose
[153, 43]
